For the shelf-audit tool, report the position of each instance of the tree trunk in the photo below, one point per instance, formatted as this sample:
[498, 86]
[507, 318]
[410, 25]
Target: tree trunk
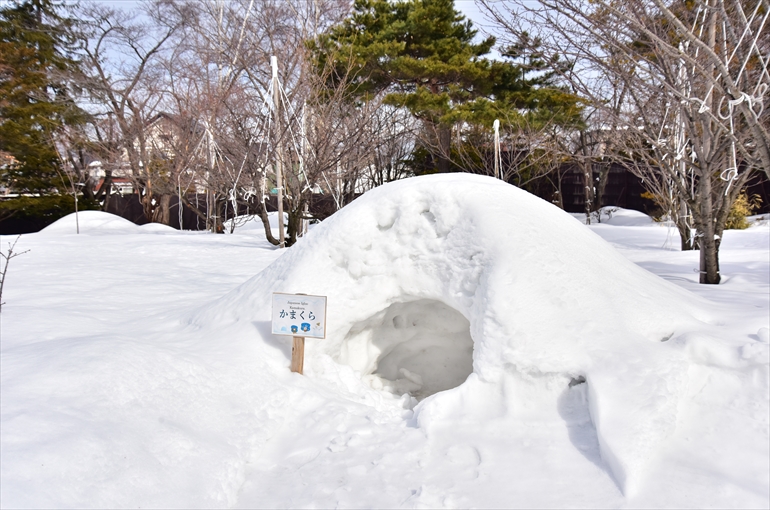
[604, 176]
[162, 213]
[219, 208]
[707, 242]
[684, 235]
[147, 205]
[266, 223]
[685, 231]
[105, 190]
[588, 189]
[295, 224]
[443, 163]
[558, 197]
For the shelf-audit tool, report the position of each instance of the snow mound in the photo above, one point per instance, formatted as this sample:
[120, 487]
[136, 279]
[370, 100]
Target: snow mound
[156, 228]
[759, 220]
[99, 223]
[91, 222]
[625, 217]
[456, 288]
[617, 216]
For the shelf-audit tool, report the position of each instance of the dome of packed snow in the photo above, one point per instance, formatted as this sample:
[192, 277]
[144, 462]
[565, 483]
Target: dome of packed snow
[461, 283]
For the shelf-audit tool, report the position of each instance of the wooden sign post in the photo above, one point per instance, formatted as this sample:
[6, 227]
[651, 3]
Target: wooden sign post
[299, 313]
[298, 354]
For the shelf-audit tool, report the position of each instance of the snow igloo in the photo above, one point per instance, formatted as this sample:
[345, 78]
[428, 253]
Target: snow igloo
[434, 278]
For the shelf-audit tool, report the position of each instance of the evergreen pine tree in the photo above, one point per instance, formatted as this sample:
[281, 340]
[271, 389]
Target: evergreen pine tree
[422, 54]
[34, 104]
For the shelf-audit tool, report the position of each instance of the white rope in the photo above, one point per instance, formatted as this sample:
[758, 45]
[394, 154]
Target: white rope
[745, 31]
[729, 174]
[753, 46]
[754, 101]
[179, 200]
[334, 195]
[286, 102]
[232, 192]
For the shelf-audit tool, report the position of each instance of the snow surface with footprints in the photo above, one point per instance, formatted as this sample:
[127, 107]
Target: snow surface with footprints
[138, 368]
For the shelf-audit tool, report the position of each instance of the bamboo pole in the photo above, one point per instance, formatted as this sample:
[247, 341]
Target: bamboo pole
[278, 151]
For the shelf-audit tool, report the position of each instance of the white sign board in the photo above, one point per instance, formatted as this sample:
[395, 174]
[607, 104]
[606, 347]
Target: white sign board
[299, 315]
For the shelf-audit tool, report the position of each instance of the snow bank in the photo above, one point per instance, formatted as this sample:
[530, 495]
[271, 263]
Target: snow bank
[625, 217]
[252, 223]
[107, 401]
[438, 279]
[618, 216]
[90, 221]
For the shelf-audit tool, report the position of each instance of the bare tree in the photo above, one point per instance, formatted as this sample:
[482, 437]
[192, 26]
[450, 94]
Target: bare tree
[183, 101]
[6, 259]
[394, 132]
[121, 53]
[339, 136]
[682, 80]
[219, 86]
[532, 149]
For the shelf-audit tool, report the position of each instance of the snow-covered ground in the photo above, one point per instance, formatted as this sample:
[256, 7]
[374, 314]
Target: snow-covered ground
[137, 368]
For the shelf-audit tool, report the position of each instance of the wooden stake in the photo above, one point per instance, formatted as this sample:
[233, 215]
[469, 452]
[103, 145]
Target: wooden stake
[298, 354]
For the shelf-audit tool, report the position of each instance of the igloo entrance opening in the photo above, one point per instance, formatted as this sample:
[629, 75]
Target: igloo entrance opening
[418, 347]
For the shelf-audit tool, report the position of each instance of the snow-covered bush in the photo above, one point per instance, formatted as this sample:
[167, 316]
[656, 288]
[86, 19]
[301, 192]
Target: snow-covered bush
[743, 207]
